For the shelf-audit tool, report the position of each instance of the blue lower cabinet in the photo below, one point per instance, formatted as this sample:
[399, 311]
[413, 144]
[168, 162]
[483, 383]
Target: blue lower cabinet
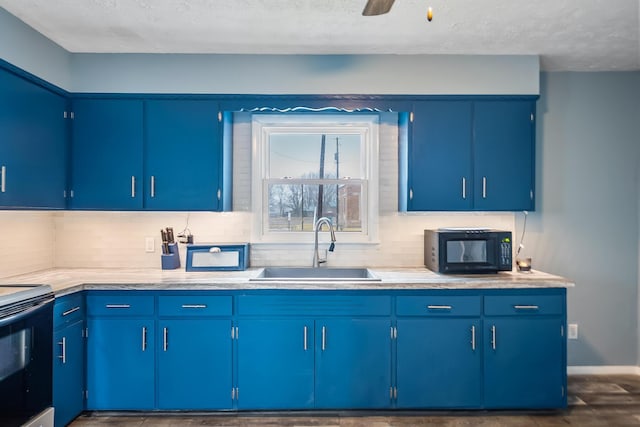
[194, 364]
[120, 364]
[439, 363]
[68, 373]
[275, 362]
[524, 362]
[353, 363]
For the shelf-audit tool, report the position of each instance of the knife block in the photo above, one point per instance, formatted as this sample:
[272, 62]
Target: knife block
[171, 261]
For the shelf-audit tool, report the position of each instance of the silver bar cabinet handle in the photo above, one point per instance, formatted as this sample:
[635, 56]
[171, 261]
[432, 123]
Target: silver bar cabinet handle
[464, 187]
[63, 343]
[324, 338]
[484, 187]
[493, 337]
[165, 339]
[144, 338]
[439, 307]
[153, 186]
[194, 306]
[133, 186]
[3, 179]
[526, 307]
[118, 305]
[473, 337]
[71, 310]
[305, 338]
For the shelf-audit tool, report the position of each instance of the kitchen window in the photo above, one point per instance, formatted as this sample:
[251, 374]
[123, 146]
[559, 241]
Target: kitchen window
[308, 166]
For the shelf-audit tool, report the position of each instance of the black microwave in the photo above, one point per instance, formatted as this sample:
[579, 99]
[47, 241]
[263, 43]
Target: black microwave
[467, 250]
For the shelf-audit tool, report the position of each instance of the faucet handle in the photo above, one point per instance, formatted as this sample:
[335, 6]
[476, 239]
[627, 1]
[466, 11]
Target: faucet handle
[332, 246]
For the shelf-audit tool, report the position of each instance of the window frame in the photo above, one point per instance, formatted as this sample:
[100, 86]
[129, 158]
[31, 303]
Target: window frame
[367, 125]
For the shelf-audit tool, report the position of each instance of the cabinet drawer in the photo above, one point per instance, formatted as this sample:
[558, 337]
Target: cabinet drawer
[438, 305]
[509, 305]
[334, 305]
[196, 305]
[120, 305]
[68, 309]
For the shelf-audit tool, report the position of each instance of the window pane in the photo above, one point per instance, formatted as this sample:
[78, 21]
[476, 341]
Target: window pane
[293, 207]
[300, 155]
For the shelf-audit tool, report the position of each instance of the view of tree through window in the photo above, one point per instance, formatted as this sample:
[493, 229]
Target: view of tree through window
[315, 174]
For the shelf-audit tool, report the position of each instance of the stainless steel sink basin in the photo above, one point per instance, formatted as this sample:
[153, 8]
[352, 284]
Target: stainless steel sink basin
[326, 274]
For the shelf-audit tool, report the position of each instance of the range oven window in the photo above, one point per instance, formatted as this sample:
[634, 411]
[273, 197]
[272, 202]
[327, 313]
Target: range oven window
[25, 363]
[15, 350]
[466, 251]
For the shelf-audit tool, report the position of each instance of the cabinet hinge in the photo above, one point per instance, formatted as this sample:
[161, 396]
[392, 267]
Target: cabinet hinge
[85, 394]
[531, 194]
[562, 330]
[85, 333]
[393, 393]
[532, 117]
[219, 116]
[562, 391]
[411, 117]
[64, 114]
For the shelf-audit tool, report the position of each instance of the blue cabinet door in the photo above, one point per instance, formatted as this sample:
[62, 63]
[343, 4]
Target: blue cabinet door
[439, 363]
[183, 155]
[34, 149]
[107, 145]
[524, 363]
[440, 157]
[194, 364]
[353, 363]
[275, 364]
[504, 155]
[120, 364]
[68, 373]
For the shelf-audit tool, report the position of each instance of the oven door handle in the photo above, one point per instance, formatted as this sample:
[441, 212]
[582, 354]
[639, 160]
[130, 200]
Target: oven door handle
[23, 314]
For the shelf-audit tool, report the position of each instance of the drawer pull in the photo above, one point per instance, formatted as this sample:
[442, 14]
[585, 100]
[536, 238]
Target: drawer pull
[63, 343]
[493, 337]
[118, 306]
[439, 307]
[305, 338]
[165, 338]
[71, 310]
[526, 307]
[473, 338]
[194, 305]
[144, 338]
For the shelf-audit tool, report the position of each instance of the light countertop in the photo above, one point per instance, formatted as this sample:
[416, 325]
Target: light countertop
[65, 281]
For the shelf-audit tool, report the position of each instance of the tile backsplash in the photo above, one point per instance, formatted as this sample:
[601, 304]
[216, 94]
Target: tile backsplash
[27, 242]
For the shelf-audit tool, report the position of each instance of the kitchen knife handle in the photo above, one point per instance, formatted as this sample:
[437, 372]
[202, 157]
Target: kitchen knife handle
[133, 186]
[153, 186]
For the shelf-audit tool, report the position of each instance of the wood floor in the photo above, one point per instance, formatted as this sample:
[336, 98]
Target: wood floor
[593, 401]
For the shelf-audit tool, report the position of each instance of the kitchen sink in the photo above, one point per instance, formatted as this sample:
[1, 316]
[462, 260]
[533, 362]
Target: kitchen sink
[325, 274]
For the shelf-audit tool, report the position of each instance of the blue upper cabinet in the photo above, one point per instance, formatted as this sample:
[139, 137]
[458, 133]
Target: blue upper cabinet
[440, 157]
[472, 155]
[33, 144]
[107, 147]
[183, 155]
[504, 155]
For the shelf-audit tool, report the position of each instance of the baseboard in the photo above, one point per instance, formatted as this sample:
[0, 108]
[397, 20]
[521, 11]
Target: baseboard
[603, 370]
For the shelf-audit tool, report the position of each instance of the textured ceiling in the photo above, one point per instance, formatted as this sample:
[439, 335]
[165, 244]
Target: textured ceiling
[580, 35]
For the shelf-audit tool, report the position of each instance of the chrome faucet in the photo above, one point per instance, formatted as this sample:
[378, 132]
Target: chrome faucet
[316, 228]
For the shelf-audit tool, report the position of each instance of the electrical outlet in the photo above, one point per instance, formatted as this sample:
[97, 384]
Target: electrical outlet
[573, 331]
[149, 244]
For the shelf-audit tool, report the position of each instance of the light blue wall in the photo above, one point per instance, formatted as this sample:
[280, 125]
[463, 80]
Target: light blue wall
[25, 48]
[586, 225]
[306, 74]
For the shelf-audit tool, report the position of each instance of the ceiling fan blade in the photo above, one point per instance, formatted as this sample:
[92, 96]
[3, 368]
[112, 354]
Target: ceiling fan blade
[377, 7]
